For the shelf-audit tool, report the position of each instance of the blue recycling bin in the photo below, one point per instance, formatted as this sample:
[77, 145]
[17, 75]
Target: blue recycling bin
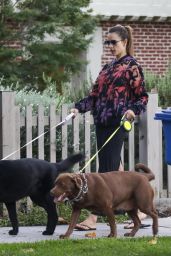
[165, 117]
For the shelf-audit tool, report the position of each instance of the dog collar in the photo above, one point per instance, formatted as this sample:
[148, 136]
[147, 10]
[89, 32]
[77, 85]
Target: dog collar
[83, 189]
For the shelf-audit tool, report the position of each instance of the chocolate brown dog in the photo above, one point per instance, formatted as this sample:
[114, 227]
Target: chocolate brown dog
[103, 193]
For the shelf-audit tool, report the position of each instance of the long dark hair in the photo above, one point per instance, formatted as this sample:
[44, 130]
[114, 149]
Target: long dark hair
[124, 32]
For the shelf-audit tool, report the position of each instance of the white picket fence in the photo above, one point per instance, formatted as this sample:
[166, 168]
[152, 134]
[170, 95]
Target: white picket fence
[145, 147]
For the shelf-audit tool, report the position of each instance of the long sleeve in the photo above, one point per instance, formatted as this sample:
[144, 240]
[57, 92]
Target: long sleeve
[88, 103]
[85, 104]
[139, 94]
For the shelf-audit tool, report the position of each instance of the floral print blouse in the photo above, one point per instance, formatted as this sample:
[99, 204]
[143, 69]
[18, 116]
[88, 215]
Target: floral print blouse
[118, 87]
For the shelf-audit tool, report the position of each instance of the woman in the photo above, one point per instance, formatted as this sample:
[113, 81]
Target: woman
[119, 90]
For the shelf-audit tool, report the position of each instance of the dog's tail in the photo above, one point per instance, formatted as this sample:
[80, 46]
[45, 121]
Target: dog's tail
[67, 163]
[146, 171]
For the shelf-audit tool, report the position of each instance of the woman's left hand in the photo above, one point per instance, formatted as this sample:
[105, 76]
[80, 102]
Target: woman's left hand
[129, 114]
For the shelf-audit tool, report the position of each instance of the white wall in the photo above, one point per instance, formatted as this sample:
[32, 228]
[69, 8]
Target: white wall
[94, 55]
[132, 7]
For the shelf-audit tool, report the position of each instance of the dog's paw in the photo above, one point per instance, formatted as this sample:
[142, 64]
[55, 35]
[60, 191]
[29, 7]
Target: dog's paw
[128, 234]
[63, 237]
[47, 233]
[112, 235]
[13, 232]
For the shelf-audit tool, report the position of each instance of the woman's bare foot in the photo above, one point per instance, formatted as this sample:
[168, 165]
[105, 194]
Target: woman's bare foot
[141, 216]
[88, 224]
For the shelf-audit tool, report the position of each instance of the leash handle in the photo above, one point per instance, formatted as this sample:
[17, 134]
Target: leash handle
[68, 117]
[127, 124]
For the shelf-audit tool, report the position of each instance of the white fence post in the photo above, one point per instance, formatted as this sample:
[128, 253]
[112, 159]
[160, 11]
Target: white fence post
[7, 124]
[29, 133]
[40, 121]
[64, 133]
[7, 128]
[143, 138]
[87, 140]
[52, 139]
[151, 147]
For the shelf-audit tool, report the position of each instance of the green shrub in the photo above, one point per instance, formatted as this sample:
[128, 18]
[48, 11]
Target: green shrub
[162, 85]
[34, 217]
[37, 216]
[24, 96]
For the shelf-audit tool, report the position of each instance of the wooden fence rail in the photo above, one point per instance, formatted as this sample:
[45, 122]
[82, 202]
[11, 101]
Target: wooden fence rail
[144, 143]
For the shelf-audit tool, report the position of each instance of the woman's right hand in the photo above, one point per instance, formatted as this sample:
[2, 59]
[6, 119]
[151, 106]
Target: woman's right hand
[129, 114]
[74, 111]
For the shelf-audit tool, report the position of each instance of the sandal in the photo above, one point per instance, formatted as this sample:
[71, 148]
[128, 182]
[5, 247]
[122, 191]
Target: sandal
[83, 227]
[131, 225]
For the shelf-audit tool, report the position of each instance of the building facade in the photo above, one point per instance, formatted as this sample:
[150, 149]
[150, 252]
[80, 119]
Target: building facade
[151, 23]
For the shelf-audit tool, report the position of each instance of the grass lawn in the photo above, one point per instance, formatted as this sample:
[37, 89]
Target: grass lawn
[94, 247]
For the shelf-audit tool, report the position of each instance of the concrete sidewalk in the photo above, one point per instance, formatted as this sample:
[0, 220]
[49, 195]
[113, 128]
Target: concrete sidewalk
[33, 234]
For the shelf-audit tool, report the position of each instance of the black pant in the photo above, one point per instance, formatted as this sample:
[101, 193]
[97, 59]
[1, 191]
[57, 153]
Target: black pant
[110, 155]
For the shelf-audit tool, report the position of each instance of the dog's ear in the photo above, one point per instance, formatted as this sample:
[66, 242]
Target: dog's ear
[77, 181]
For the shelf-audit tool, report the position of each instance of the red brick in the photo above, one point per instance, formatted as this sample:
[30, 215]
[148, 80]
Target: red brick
[152, 44]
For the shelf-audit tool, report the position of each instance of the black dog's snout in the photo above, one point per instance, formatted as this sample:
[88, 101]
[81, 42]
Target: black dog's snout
[51, 192]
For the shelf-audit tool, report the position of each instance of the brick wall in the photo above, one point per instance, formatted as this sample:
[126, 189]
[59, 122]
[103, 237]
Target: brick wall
[152, 44]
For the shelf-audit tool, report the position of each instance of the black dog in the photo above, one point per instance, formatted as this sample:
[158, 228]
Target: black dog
[34, 178]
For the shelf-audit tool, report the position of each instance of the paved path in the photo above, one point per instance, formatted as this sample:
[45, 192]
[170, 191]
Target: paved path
[33, 234]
